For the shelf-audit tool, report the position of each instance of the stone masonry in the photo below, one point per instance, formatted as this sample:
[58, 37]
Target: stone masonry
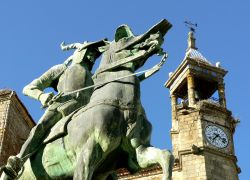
[15, 124]
[194, 109]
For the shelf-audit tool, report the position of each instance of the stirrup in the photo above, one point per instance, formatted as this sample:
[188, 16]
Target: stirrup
[13, 166]
[10, 172]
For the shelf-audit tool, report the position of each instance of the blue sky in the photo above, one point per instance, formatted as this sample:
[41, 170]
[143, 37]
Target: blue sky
[31, 32]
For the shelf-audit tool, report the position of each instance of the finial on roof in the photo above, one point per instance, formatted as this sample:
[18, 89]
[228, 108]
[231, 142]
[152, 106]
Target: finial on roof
[170, 74]
[191, 41]
[192, 51]
[218, 64]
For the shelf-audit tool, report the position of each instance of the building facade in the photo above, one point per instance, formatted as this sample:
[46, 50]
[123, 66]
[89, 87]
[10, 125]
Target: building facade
[202, 126]
[15, 124]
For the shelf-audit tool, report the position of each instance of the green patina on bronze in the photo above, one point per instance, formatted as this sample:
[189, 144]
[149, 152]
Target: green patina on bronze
[88, 134]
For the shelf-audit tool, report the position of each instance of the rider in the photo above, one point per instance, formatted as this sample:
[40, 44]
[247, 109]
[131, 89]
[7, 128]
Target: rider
[73, 74]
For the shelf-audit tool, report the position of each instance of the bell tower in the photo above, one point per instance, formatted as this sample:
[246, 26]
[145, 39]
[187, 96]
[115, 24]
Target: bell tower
[202, 126]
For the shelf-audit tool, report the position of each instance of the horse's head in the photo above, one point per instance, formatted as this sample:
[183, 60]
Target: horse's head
[148, 47]
[130, 51]
[139, 48]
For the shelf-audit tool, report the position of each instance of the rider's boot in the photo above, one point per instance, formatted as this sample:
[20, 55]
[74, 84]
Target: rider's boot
[13, 166]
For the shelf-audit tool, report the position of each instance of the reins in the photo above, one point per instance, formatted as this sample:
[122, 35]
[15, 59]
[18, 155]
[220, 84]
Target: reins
[162, 61]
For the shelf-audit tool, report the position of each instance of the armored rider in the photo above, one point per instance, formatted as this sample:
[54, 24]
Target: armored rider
[73, 74]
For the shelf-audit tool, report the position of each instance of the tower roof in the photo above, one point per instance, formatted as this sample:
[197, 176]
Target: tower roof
[196, 55]
[192, 51]
[194, 62]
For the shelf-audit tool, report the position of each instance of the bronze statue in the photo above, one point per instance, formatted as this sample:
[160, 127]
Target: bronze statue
[111, 130]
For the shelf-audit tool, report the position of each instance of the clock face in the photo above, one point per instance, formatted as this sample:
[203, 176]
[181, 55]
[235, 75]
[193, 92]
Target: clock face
[216, 136]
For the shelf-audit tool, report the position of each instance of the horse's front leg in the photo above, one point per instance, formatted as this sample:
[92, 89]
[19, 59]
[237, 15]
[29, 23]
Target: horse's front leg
[87, 160]
[147, 156]
[104, 136]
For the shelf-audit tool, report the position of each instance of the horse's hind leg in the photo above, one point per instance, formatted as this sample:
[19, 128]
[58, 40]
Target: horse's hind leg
[147, 156]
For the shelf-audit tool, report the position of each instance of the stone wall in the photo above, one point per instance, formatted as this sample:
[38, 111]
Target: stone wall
[195, 157]
[151, 173]
[15, 124]
[189, 164]
[3, 116]
[218, 167]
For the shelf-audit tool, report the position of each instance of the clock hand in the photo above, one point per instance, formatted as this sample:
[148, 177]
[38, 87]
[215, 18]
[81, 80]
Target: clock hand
[217, 135]
[222, 139]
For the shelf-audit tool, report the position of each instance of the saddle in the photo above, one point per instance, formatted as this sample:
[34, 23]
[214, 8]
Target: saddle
[59, 130]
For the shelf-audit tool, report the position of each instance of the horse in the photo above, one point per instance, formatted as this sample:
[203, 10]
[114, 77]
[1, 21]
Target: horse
[112, 131]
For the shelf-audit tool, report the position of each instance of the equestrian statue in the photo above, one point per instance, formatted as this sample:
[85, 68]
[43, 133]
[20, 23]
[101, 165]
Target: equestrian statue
[96, 123]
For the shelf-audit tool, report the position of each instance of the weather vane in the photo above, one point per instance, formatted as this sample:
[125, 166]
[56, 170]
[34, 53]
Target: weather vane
[191, 25]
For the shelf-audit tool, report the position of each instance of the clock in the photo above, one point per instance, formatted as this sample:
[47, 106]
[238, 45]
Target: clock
[216, 136]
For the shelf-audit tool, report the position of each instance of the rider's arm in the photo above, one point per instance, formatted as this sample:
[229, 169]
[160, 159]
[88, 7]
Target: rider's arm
[36, 87]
